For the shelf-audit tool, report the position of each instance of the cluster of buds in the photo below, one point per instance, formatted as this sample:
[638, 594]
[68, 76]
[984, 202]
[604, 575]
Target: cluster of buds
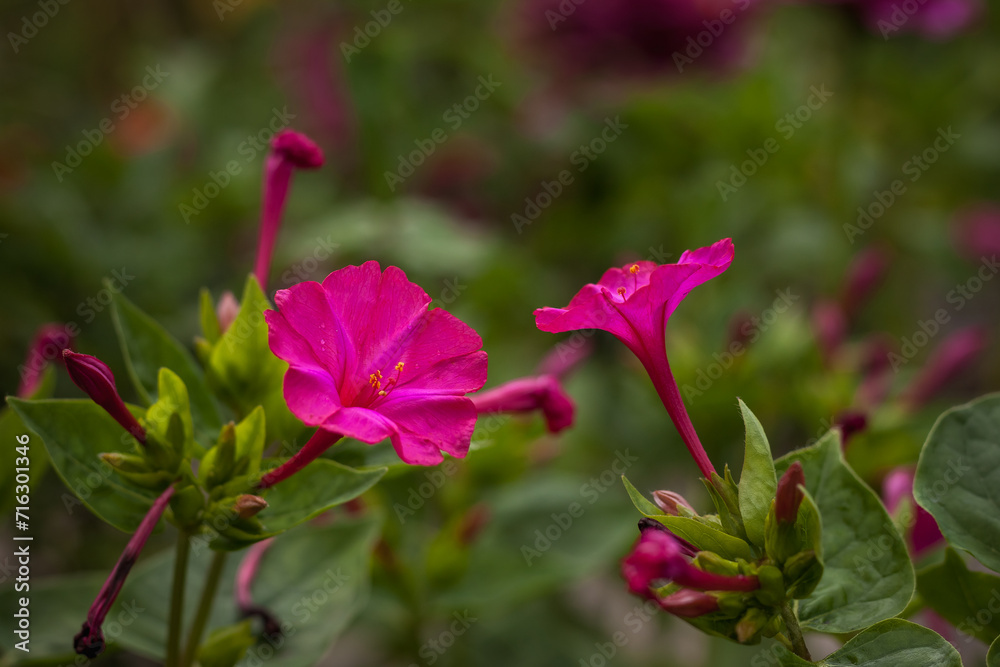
[737, 596]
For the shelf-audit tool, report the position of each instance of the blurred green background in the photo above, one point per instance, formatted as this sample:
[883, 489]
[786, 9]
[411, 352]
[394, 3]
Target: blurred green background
[190, 87]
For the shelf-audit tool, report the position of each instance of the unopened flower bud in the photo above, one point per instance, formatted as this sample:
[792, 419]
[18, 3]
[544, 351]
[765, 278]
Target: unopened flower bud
[689, 604]
[751, 624]
[671, 502]
[227, 310]
[96, 380]
[789, 495]
[248, 505]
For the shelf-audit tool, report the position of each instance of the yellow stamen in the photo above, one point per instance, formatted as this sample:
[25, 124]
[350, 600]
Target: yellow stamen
[621, 292]
[633, 269]
[382, 393]
[399, 366]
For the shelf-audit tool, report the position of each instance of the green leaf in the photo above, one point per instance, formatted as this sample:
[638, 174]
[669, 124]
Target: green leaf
[147, 348]
[645, 506]
[706, 538]
[993, 657]
[172, 398]
[868, 575]
[74, 433]
[958, 475]
[209, 320]
[58, 608]
[328, 566]
[895, 643]
[959, 595]
[250, 435]
[246, 373]
[318, 487]
[227, 646]
[758, 483]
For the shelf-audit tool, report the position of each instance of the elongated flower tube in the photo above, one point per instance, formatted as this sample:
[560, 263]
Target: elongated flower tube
[96, 380]
[634, 303]
[48, 344]
[90, 640]
[289, 150]
[245, 574]
[657, 557]
[526, 395]
[368, 360]
[955, 353]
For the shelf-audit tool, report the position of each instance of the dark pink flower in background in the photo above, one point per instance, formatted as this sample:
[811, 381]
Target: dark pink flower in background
[289, 151]
[830, 327]
[526, 395]
[635, 37]
[634, 303]
[96, 380]
[933, 19]
[956, 353]
[657, 557]
[864, 275]
[923, 533]
[368, 360]
[47, 346]
[977, 231]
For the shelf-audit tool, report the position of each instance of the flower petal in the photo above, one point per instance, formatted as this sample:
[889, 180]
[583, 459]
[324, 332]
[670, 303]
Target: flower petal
[361, 424]
[430, 424]
[306, 310]
[311, 394]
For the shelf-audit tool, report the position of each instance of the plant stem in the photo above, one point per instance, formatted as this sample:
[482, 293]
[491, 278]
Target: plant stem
[177, 598]
[795, 632]
[204, 608]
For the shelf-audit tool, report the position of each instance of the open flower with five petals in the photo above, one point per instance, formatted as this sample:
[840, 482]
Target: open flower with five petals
[368, 360]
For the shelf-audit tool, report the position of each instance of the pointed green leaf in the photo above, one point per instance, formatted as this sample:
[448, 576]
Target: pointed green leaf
[758, 483]
[868, 575]
[226, 646]
[706, 538]
[147, 348]
[959, 595]
[250, 435]
[209, 320]
[243, 369]
[895, 643]
[645, 506]
[74, 433]
[958, 476]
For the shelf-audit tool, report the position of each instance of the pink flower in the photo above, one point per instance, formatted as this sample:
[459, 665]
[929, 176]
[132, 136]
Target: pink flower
[97, 381]
[657, 557]
[90, 640]
[289, 150]
[543, 392]
[368, 360]
[924, 533]
[48, 344]
[830, 327]
[864, 275]
[634, 303]
[977, 231]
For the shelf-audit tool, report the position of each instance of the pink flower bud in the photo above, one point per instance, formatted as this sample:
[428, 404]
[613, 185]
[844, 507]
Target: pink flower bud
[96, 380]
[289, 150]
[227, 310]
[669, 501]
[689, 604]
[789, 495]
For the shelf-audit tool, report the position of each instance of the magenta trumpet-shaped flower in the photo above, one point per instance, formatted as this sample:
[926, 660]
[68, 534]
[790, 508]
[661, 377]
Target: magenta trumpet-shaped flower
[658, 557]
[289, 150]
[523, 395]
[47, 346]
[924, 533]
[90, 640]
[368, 360]
[634, 303]
[96, 380]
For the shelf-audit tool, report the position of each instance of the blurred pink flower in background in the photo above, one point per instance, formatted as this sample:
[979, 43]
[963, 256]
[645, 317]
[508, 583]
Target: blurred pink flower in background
[923, 532]
[977, 231]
